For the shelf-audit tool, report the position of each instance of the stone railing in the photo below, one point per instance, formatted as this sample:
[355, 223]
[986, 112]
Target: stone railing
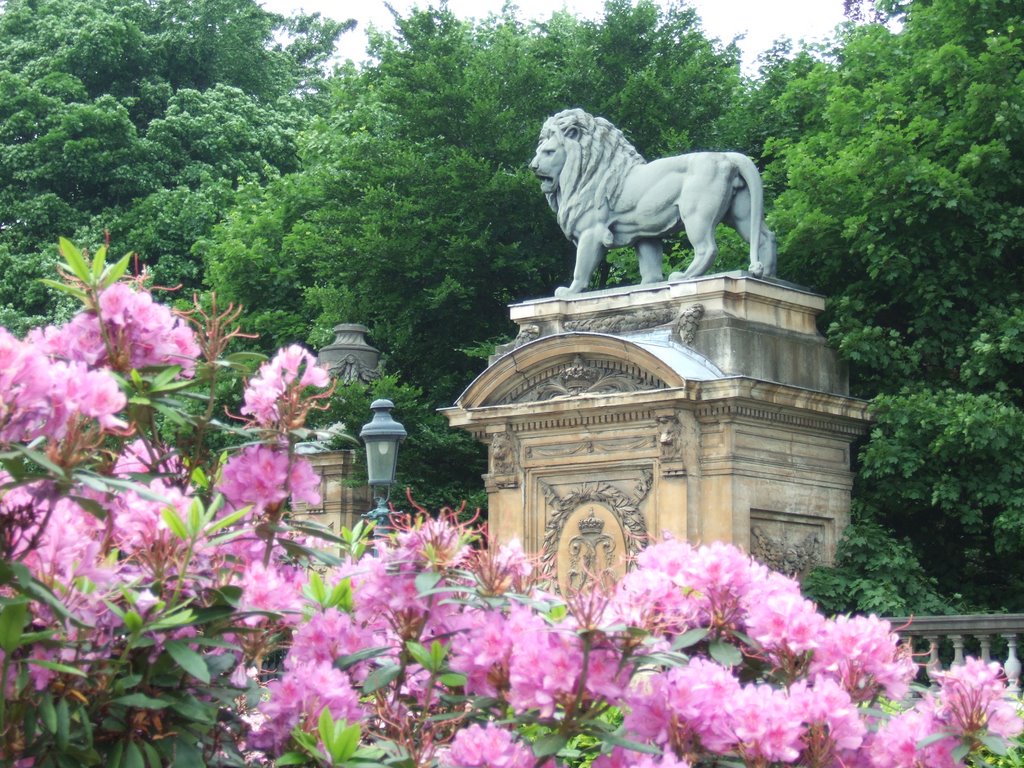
[977, 632]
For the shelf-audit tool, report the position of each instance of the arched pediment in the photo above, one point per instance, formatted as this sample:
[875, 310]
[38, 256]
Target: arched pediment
[569, 365]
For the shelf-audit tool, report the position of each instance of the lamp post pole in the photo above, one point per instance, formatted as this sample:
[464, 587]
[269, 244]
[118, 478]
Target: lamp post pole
[381, 437]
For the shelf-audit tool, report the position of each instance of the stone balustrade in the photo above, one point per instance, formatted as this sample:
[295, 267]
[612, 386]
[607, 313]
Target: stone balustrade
[975, 631]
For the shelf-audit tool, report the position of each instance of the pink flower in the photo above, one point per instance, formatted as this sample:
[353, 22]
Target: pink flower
[271, 588]
[141, 333]
[486, 747]
[293, 368]
[765, 723]
[623, 758]
[264, 475]
[972, 698]
[864, 655]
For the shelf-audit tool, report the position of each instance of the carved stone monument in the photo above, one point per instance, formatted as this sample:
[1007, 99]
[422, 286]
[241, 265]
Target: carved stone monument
[349, 357]
[605, 195]
[710, 408]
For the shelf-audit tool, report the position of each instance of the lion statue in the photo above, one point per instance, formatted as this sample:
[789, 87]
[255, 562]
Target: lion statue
[605, 195]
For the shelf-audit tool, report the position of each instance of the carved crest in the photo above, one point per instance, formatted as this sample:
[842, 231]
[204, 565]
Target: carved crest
[688, 322]
[624, 507]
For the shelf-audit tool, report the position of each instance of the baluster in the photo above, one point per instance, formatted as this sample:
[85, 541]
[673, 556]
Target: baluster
[986, 647]
[1012, 666]
[958, 650]
[933, 667]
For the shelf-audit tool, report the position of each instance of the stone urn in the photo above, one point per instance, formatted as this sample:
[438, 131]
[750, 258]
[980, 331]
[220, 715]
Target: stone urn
[349, 357]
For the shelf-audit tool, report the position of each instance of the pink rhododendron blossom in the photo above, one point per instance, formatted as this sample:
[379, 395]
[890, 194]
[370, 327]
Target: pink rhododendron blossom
[140, 331]
[895, 745]
[326, 637]
[826, 703]
[765, 723]
[623, 758]
[488, 746]
[271, 588]
[292, 367]
[972, 698]
[299, 696]
[865, 656]
[264, 475]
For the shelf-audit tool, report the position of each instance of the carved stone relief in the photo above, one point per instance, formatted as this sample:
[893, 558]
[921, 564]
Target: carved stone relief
[622, 322]
[587, 447]
[670, 438]
[504, 454]
[608, 521]
[583, 377]
[688, 322]
[783, 549]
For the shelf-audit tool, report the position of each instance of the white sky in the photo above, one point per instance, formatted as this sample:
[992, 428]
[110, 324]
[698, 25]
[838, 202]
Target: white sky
[760, 21]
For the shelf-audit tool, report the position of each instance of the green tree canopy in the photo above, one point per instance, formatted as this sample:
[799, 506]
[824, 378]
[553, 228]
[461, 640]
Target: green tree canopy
[113, 113]
[905, 205]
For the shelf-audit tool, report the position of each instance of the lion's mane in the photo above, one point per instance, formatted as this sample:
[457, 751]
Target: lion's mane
[596, 163]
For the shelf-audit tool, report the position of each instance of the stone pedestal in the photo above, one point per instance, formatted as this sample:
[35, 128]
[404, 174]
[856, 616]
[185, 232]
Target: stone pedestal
[710, 409]
[341, 505]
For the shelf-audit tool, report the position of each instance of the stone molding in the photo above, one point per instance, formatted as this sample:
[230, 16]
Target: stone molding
[582, 376]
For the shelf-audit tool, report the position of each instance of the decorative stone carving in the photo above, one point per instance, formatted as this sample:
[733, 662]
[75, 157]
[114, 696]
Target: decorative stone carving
[786, 552]
[605, 195]
[587, 448]
[687, 323]
[349, 357]
[591, 557]
[623, 322]
[504, 454]
[670, 438]
[584, 377]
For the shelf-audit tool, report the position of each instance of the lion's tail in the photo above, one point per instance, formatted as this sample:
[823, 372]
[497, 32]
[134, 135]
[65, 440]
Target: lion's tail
[752, 178]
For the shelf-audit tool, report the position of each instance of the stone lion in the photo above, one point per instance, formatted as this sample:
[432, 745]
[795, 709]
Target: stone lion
[605, 195]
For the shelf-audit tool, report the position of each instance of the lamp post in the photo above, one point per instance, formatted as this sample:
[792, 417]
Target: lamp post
[381, 437]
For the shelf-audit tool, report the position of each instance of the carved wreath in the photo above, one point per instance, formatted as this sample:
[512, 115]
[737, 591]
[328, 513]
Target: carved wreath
[625, 508]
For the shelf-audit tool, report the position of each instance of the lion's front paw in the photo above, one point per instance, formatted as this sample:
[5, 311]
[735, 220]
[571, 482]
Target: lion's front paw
[757, 269]
[562, 292]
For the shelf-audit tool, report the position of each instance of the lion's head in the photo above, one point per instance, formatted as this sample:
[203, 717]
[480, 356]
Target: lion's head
[581, 162]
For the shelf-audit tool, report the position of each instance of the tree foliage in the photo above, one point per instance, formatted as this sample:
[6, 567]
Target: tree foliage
[904, 206]
[138, 118]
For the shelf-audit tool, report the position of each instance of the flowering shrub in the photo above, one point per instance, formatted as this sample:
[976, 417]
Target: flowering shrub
[147, 587]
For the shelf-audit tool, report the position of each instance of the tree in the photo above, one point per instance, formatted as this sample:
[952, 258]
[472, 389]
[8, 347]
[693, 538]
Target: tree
[904, 203]
[111, 110]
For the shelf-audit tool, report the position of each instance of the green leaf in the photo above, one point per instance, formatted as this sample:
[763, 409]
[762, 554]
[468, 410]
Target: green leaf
[12, 619]
[140, 701]
[132, 756]
[47, 713]
[453, 679]
[380, 677]
[188, 659]
[344, 662]
[726, 654]
[99, 260]
[177, 526]
[63, 732]
[689, 638]
[78, 293]
[549, 744]
[73, 258]
[426, 581]
[113, 273]
[57, 667]
[421, 655]
[617, 740]
[292, 758]
[994, 744]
